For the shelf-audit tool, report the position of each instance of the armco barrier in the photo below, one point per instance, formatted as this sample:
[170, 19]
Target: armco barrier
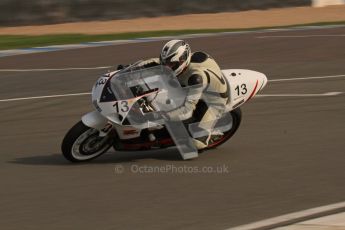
[27, 12]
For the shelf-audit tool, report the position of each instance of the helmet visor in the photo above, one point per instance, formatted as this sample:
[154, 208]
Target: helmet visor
[171, 64]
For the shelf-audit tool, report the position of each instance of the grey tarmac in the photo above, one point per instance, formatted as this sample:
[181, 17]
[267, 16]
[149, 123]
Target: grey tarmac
[287, 156]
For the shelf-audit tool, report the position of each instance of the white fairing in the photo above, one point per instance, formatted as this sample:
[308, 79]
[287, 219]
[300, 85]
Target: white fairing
[95, 120]
[244, 84]
[99, 120]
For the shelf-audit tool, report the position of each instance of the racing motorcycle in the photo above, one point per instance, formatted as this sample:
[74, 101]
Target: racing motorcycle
[131, 107]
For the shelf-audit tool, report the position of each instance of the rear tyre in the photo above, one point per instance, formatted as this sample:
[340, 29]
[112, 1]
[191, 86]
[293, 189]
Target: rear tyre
[83, 143]
[236, 116]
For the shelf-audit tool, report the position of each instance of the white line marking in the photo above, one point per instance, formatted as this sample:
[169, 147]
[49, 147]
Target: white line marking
[6, 53]
[82, 94]
[103, 67]
[41, 97]
[301, 95]
[302, 36]
[290, 217]
[305, 78]
[57, 69]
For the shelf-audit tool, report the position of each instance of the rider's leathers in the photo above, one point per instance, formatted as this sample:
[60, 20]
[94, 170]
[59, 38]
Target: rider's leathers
[208, 93]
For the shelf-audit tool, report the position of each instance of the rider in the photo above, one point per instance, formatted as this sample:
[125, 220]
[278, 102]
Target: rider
[199, 70]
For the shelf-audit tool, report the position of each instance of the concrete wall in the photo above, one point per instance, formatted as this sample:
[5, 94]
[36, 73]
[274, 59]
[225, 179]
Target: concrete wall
[25, 12]
[322, 3]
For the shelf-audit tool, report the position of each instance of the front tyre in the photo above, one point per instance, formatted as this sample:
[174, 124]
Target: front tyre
[83, 143]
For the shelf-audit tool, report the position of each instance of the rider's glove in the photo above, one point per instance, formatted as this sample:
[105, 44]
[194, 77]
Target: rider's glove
[120, 67]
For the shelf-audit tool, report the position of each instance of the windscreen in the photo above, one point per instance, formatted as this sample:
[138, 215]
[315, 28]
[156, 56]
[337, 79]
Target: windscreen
[135, 83]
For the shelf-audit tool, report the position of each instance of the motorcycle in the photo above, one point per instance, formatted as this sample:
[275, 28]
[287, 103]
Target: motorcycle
[131, 107]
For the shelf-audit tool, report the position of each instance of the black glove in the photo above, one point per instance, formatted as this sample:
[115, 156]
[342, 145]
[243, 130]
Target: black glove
[120, 67]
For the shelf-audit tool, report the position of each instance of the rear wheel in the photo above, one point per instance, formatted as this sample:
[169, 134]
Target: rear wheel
[83, 143]
[217, 140]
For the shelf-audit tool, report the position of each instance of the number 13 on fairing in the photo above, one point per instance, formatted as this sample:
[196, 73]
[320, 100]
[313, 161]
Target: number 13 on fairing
[121, 106]
[241, 91]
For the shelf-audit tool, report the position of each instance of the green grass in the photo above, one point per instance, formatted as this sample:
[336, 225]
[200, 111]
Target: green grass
[22, 41]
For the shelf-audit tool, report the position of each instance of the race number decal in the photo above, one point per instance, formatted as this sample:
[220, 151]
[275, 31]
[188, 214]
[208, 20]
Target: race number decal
[101, 81]
[241, 90]
[121, 106]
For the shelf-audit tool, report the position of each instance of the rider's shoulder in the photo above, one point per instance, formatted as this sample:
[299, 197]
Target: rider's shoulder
[195, 79]
[199, 57]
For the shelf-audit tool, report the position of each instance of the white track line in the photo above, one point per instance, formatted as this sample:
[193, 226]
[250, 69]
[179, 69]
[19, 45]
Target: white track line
[301, 95]
[57, 69]
[41, 97]
[53, 48]
[290, 217]
[302, 36]
[107, 67]
[305, 78]
[259, 95]
[266, 95]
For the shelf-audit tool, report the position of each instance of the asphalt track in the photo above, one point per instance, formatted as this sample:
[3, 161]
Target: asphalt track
[287, 156]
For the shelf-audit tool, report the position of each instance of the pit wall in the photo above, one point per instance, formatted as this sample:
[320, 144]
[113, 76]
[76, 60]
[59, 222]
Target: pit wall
[322, 3]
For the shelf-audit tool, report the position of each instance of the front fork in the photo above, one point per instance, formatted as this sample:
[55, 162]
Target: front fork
[95, 120]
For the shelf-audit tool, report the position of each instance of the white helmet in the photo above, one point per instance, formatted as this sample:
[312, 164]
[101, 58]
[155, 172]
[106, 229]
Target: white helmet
[176, 54]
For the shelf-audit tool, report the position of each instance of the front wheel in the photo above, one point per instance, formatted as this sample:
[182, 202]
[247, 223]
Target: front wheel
[83, 143]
